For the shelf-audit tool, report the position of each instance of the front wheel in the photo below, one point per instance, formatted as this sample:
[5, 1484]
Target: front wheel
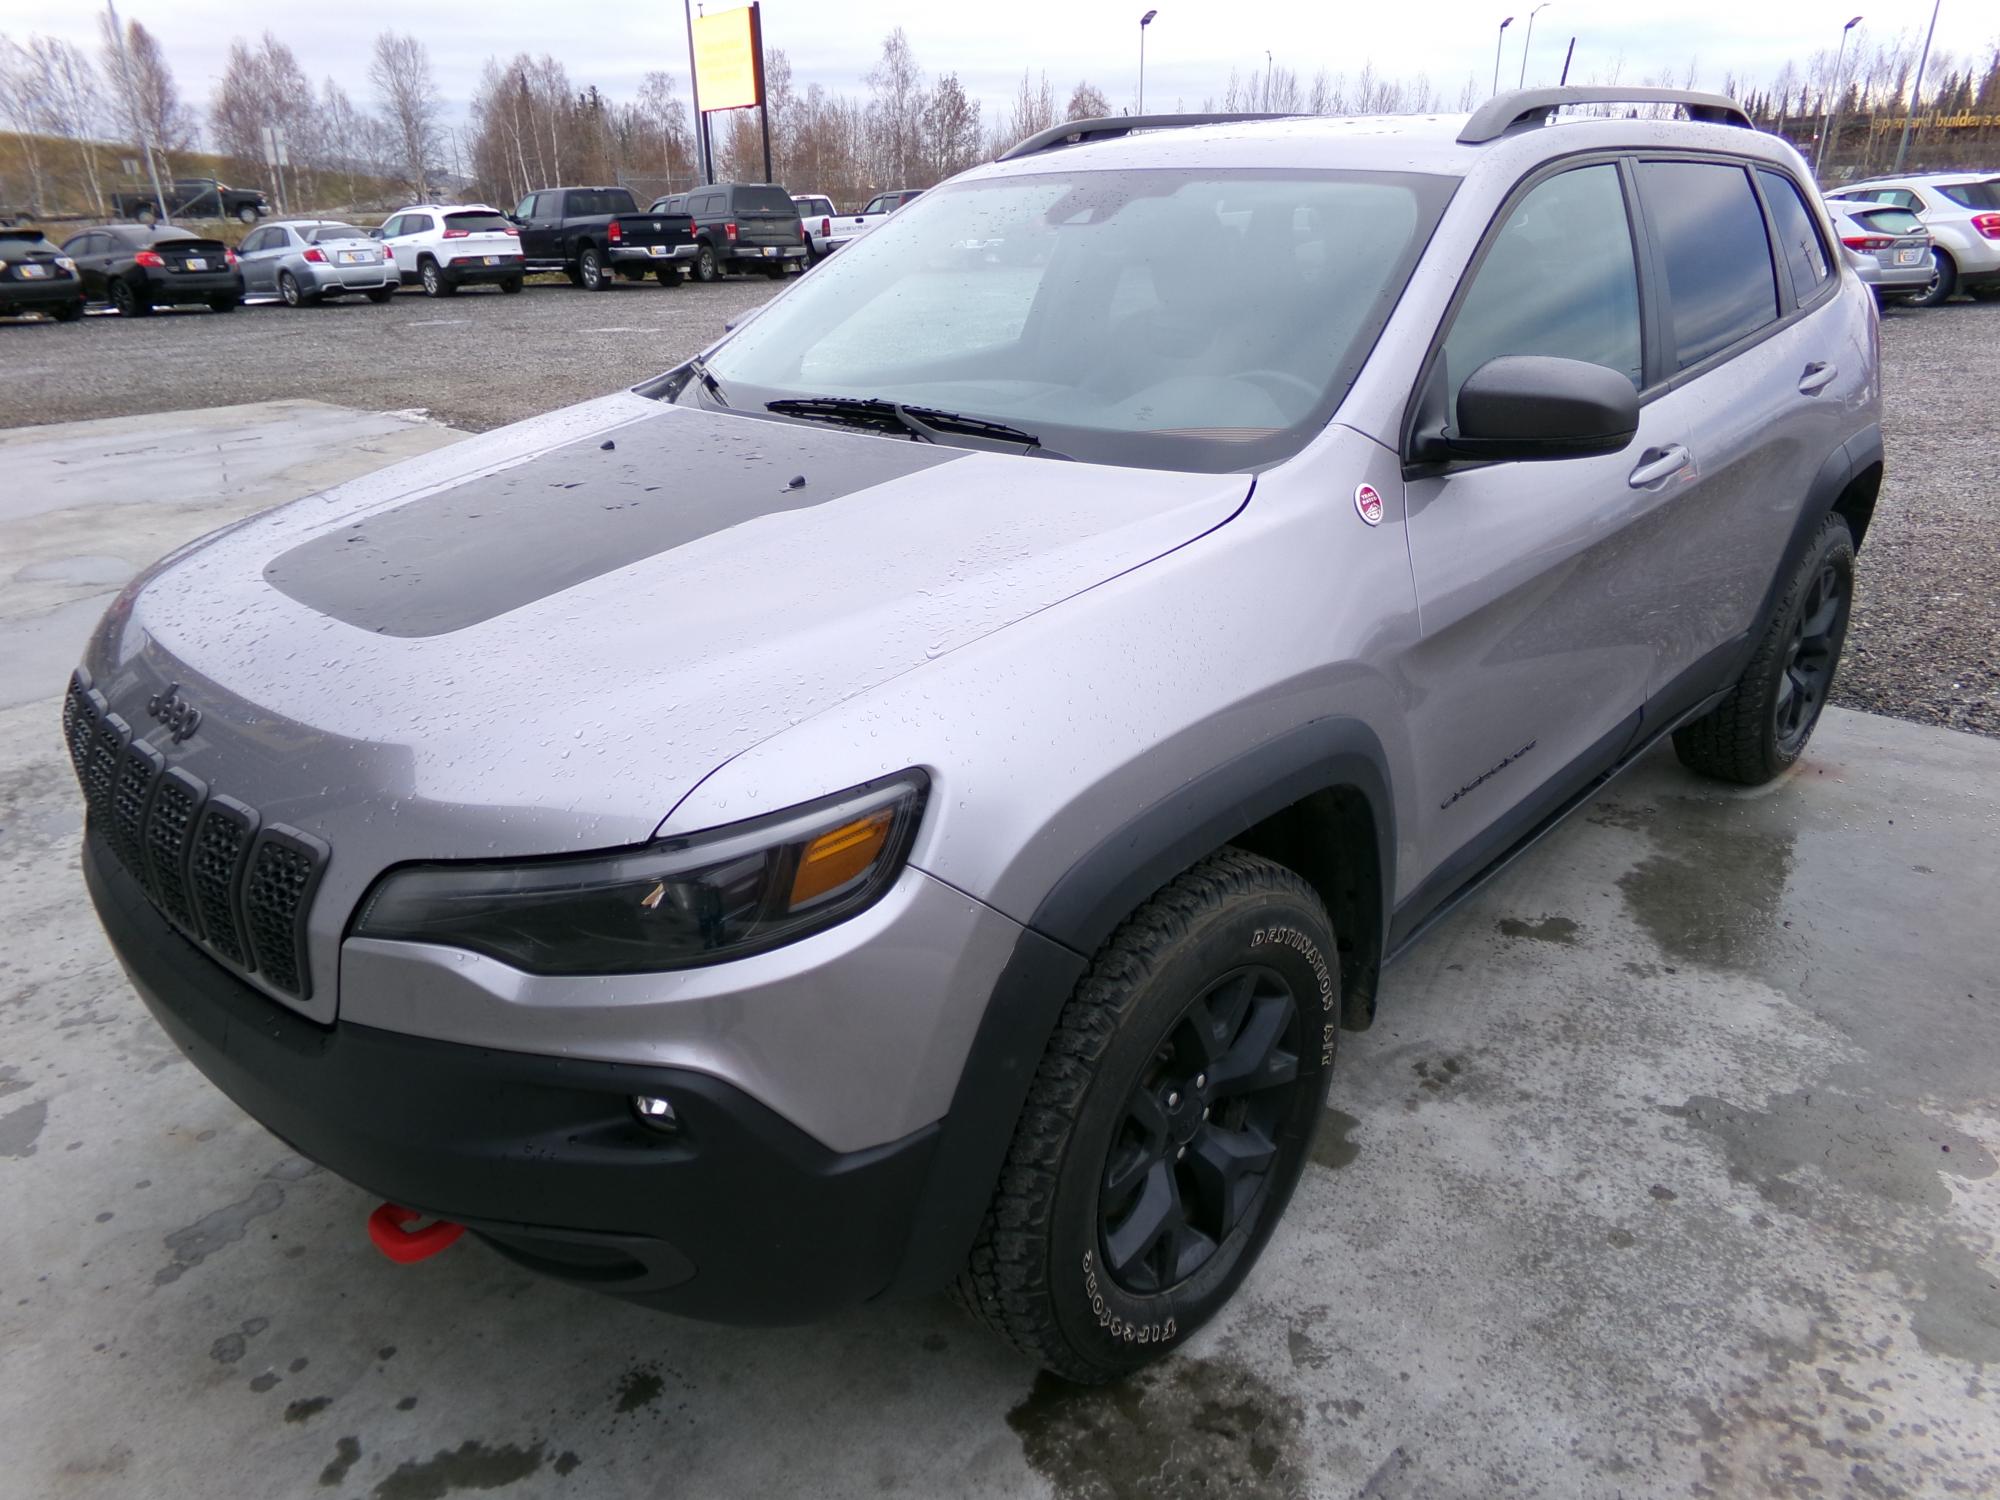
[1761, 728]
[1944, 281]
[1166, 1125]
[246, 214]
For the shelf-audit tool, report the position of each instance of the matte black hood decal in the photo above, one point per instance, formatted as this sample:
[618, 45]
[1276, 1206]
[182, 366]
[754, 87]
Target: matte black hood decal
[463, 555]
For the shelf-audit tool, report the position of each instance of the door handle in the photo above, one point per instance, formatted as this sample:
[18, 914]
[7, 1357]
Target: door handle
[1817, 377]
[1656, 464]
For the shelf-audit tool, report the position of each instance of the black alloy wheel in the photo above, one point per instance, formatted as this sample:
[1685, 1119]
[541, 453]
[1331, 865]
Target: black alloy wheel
[1810, 657]
[1200, 1131]
[129, 301]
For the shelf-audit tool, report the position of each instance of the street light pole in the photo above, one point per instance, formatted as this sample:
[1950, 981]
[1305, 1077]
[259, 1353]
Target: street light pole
[1832, 114]
[1529, 41]
[1144, 21]
[1498, 42]
[1916, 90]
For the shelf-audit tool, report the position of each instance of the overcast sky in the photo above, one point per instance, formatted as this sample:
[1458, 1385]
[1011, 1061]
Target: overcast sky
[1190, 47]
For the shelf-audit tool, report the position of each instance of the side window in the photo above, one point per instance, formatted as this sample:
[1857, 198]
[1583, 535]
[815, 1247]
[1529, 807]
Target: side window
[1721, 285]
[416, 224]
[393, 228]
[526, 207]
[1798, 234]
[1558, 279]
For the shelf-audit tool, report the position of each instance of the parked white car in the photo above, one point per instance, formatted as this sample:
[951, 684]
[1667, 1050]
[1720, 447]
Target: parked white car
[1962, 212]
[444, 246]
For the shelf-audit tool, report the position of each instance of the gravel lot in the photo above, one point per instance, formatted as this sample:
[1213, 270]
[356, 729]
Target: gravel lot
[1926, 633]
[478, 360]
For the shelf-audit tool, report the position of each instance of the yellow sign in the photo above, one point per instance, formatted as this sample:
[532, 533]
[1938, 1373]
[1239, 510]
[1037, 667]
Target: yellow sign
[726, 71]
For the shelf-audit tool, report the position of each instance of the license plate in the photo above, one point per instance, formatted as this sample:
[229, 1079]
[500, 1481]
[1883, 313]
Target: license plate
[656, 249]
[491, 260]
[770, 249]
[34, 273]
[349, 258]
[1907, 257]
[196, 263]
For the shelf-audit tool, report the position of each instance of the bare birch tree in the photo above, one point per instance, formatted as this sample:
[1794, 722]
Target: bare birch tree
[401, 75]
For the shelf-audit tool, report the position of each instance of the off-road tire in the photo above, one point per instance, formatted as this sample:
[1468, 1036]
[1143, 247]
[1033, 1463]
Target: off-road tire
[1739, 739]
[1943, 284]
[1037, 1274]
[381, 294]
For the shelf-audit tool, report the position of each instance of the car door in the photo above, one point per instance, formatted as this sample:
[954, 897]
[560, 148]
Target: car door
[1757, 372]
[87, 251]
[259, 256]
[1532, 666]
[537, 243]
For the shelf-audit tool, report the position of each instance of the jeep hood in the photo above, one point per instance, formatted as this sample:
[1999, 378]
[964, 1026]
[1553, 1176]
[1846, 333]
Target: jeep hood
[542, 638]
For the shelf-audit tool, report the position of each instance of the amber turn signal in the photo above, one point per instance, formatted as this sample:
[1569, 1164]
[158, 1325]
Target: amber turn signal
[839, 855]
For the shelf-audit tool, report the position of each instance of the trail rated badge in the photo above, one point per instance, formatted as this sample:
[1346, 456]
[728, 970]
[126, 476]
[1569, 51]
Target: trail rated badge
[1368, 504]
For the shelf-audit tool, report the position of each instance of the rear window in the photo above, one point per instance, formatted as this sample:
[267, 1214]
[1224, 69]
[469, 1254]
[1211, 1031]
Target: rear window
[764, 200]
[1798, 234]
[1890, 220]
[1984, 196]
[475, 222]
[327, 232]
[1720, 278]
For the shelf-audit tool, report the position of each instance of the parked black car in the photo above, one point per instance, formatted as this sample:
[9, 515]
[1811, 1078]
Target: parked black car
[137, 267]
[37, 277]
[593, 232]
[740, 225]
[193, 198]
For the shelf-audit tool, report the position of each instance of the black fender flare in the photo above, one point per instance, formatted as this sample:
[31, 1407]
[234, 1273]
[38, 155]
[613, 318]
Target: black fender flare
[1073, 920]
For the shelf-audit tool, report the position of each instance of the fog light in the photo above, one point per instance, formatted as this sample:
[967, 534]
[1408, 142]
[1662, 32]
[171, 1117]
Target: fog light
[657, 1112]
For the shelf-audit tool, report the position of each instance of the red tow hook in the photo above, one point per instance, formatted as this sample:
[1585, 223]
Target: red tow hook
[406, 1246]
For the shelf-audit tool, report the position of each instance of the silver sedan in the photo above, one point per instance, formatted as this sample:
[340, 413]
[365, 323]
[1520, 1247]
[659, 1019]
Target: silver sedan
[301, 261]
[1889, 248]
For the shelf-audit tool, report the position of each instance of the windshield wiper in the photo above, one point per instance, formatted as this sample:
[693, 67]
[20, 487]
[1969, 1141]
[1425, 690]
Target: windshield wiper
[924, 424]
[698, 368]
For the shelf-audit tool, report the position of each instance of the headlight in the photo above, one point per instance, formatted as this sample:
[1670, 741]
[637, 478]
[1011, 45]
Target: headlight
[673, 904]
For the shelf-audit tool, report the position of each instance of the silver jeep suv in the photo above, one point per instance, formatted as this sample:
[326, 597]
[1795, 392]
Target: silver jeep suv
[912, 797]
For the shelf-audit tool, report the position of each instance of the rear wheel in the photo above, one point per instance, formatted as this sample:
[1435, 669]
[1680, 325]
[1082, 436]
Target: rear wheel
[1762, 727]
[288, 290]
[1944, 281]
[706, 266]
[436, 283]
[1166, 1125]
[130, 301]
[590, 265]
[381, 294]
[69, 312]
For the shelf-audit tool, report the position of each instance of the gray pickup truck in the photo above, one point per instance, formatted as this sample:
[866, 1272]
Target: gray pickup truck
[594, 234]
[191, 198]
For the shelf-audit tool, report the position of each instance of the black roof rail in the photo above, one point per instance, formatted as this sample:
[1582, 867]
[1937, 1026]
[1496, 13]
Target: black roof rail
[1503, 112]
[1076, 132]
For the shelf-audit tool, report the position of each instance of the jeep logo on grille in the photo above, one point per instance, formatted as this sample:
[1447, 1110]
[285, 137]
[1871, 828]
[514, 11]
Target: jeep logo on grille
[174, 711]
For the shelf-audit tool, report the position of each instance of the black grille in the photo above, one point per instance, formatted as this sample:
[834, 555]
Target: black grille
[240, 889]
[284, 867]
[169, 834]
[215, 870]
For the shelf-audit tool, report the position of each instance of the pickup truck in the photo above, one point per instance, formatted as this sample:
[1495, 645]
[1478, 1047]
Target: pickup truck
[192, 198]
[595, 233]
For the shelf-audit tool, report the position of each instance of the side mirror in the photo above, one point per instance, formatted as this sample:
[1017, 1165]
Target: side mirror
[1533, 406]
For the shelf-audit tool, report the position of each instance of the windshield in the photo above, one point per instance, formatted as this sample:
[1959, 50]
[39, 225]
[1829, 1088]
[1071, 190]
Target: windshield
[1980, 195]
[1161, 318]
[327, 232]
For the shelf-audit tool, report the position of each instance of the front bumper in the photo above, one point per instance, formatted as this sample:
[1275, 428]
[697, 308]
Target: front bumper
[739, 1216]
